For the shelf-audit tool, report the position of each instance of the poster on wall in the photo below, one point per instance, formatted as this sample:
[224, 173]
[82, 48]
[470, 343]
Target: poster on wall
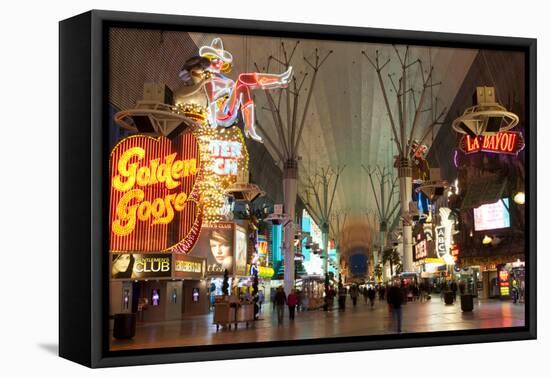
[263, 252]
[241, 244]
[137, 266]
[215, 244]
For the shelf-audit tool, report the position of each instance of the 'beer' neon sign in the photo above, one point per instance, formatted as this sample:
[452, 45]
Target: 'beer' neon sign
[504, 142]
[226, 155]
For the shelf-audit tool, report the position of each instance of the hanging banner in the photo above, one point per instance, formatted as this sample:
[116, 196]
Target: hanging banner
[504, 142]
[154, 202]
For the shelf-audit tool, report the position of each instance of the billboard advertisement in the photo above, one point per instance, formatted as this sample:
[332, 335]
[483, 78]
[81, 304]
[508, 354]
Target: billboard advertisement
[138, 266]
[492, 216]
[215, 244]
[241, 244]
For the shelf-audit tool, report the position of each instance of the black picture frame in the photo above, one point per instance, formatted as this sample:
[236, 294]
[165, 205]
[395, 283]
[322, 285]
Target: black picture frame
[83, 196]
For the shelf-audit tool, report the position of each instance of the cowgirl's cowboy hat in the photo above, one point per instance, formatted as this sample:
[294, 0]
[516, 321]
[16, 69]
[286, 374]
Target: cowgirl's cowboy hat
[216, 50]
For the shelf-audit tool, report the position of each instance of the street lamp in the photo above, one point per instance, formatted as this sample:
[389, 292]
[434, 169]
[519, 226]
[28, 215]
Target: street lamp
[519, 198]
[487, 240]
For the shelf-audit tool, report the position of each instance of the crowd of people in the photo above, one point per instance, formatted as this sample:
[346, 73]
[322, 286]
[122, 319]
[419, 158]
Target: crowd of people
[394, 295]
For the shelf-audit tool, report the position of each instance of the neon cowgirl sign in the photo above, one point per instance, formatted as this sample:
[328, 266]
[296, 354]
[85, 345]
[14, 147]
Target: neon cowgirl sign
[504, 142]
[226, 96]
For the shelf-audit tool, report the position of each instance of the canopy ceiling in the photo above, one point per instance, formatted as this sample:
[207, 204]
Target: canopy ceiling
[347, 122]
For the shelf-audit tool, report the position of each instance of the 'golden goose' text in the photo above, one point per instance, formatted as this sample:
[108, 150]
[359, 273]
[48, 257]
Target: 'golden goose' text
[131, 179]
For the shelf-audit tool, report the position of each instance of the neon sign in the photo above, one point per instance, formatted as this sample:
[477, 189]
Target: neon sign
[226, 96]
[441, 246]
[421, 250]
[455, 251]
[225, 155]
[153, 186]
[160, 210]
[224, 159]
[503, 280]
[504, 142]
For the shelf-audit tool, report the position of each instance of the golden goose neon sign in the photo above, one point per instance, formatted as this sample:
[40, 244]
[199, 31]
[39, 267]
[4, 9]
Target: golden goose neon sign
[152, 185]
[133, 206]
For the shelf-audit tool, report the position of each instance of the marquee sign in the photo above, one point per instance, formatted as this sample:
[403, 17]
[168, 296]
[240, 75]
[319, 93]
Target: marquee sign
[224, 159]
[154, 202]
[504, 142]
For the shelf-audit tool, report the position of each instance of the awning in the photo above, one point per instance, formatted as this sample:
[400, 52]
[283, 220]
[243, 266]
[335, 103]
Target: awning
[486, 189]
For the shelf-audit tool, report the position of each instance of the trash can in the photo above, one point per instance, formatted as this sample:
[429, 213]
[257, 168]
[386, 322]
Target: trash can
[125, 326]
[467, 302]
[448, 297]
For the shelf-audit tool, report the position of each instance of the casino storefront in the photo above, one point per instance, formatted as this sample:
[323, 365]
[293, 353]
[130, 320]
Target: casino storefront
[180, 223]
[161, 286]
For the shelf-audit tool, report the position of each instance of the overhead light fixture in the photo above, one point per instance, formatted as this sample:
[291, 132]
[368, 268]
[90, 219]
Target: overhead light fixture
[245, 191]
[488, 117]
[519, 198]
[487, 239]
[156, 114]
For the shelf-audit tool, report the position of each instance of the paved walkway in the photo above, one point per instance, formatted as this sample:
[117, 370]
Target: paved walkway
[362, 320]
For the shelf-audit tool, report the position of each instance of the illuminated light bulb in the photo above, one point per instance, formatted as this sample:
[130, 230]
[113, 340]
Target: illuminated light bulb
[519, 198]
[487, 239]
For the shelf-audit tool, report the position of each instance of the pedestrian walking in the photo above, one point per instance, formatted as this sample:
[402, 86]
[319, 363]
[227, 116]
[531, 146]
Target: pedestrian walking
[280, 302]
[371, 293]
[515, 294]
[454, 288]
[292, 301]
[395, 299]
[462, 287]
[354, 293]
[342, 292]
[382, 292]
[261, 299]
[331, 293]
